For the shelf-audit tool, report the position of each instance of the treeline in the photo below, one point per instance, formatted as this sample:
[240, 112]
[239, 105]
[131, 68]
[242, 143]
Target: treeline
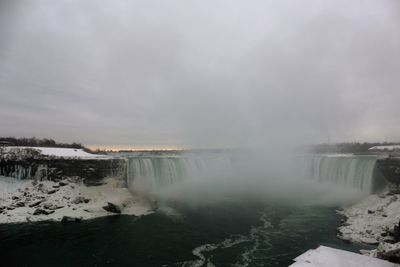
[37, 142]
[347, 147]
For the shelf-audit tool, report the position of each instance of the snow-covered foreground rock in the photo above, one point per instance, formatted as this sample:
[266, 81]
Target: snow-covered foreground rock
[330, 257]
[29, 201]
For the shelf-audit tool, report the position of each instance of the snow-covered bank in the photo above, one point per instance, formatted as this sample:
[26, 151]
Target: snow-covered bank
[370, 220]
[58, 152]
[374, 221]
[29, 201]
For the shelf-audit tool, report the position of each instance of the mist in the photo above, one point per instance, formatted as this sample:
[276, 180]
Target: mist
[209, 179]
[225, 74]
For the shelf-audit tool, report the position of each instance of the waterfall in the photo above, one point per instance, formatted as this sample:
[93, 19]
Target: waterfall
[151, 172]
[24, 171]
[347, 171]
[146, 173]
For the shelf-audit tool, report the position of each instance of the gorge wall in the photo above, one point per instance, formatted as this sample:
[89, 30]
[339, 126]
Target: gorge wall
[390, 169]
[91, 171]
[369, 174]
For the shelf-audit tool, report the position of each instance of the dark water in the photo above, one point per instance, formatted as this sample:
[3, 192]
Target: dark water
[238, 234]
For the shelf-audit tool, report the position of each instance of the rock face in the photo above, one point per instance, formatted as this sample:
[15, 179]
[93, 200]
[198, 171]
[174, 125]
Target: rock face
[112, 208]
[79, 200]
[67, 219]
[36, 203]
[42, 212]
[91, 171]
[390, 168]
[385, 251]
[396, 232]
[392, 256]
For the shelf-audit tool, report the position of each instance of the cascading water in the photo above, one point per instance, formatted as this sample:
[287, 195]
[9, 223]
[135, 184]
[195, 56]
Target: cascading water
[151, 172]
[19, 171]
[347, 171]
[147, 173]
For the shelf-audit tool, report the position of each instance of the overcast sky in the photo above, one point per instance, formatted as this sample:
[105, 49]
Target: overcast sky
[200, 73]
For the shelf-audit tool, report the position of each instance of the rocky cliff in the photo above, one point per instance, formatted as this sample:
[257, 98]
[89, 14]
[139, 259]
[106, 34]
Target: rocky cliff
[91, 171]
[390, 168]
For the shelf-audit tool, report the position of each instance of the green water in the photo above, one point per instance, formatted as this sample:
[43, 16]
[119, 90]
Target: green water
[237, 234]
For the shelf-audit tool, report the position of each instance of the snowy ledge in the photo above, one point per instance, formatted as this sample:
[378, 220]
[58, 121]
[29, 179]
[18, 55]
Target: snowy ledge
[67, 200]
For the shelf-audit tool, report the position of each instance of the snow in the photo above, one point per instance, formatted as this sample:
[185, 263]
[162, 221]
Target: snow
[60, 152]
[330, 257]
[63, 200]
[389, 148]
[369, 220]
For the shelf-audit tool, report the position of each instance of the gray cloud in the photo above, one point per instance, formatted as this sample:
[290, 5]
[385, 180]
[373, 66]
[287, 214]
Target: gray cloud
[200, 73]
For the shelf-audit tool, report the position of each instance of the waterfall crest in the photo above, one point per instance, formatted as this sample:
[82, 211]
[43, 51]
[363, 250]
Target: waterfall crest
[347, 171]
[147, 173]
[151, 172]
